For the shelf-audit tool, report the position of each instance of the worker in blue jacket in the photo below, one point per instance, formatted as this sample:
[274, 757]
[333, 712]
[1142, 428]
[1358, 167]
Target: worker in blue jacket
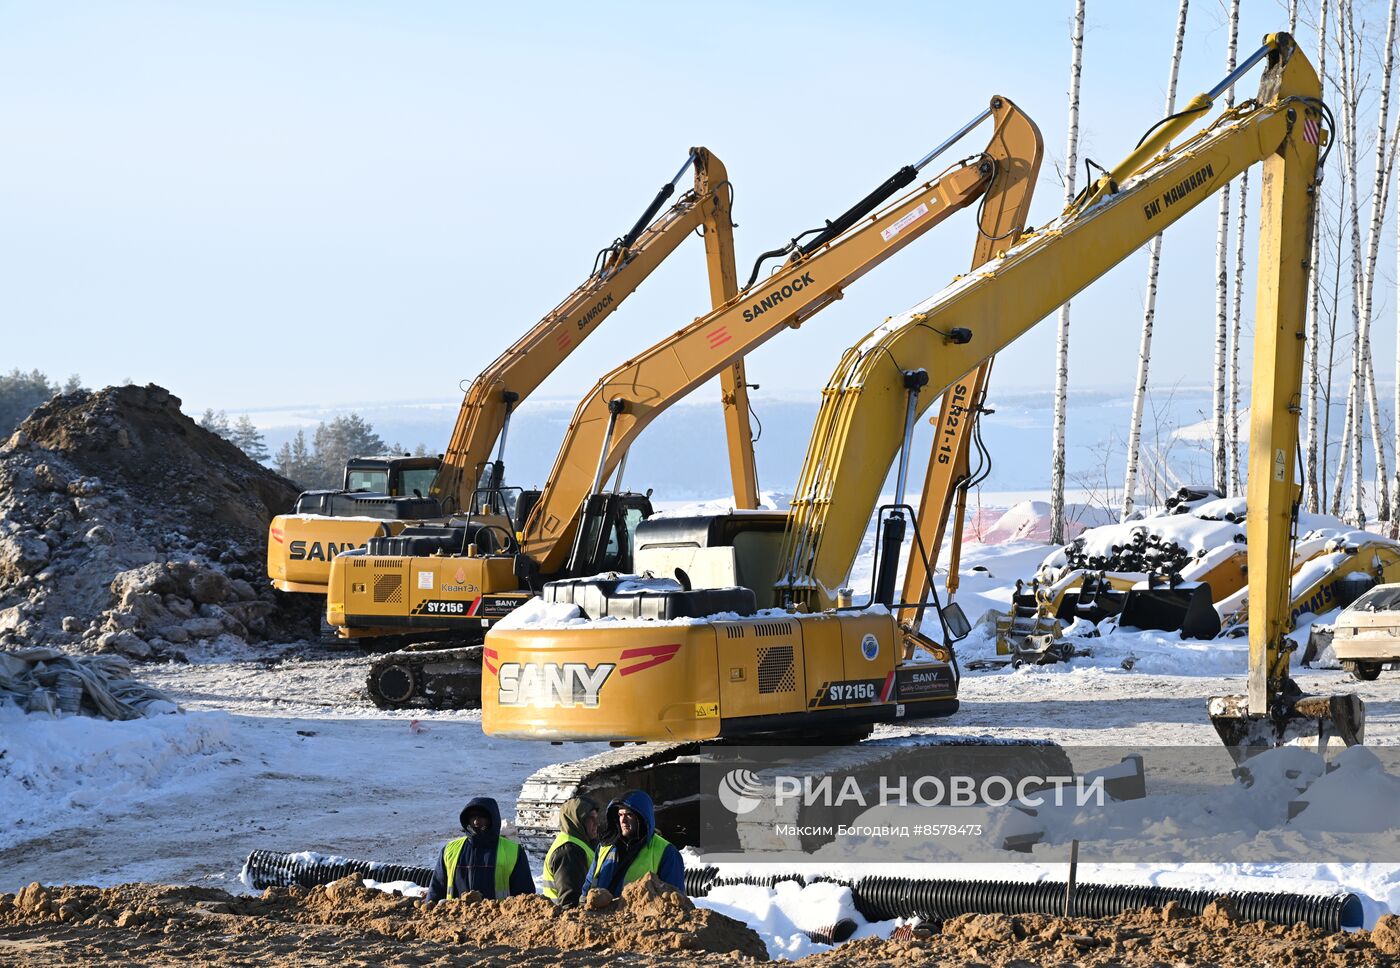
[633, 848]
[482, 860]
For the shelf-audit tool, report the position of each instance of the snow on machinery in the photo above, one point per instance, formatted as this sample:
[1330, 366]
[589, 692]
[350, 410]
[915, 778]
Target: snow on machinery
[383, 496]
[461, 590]
[1184, 569]
[820, 665]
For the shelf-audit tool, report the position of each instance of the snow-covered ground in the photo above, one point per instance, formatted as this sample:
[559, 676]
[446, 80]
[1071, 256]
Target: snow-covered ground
[280, 749]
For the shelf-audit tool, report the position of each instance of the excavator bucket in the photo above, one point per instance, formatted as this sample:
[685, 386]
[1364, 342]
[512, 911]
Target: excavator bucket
[1304, 719]
[1186, 606]
[1095, 600]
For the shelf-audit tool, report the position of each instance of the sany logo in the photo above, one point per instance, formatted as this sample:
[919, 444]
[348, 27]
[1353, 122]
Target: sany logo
[566, 684]
[552, 684]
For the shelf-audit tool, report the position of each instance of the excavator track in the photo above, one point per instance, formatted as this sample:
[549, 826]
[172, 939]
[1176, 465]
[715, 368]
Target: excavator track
[427, 676]
[670, 773]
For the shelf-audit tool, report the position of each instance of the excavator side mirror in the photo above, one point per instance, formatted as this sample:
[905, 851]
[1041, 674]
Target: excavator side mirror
[955, 622]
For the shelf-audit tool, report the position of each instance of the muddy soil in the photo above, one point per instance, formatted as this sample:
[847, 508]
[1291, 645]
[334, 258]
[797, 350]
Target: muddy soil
[346, 924]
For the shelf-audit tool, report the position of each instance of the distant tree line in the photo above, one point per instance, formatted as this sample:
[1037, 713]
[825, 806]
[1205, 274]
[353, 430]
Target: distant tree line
[321, 463]
[21, 392]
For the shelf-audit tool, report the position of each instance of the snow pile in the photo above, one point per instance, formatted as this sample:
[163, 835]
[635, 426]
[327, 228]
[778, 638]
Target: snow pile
[786, 915]
[51, 768]
[126, 527]
[1284, 802]
[47, 680]
[1030, 521]
[540, 614]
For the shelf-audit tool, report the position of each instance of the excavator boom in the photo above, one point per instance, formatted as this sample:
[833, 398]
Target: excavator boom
[302, 545]
[519, 371]
[950, 334]
[625, 401]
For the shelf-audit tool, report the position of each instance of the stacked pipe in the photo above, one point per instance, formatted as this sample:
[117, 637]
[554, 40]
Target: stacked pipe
[1144, 553]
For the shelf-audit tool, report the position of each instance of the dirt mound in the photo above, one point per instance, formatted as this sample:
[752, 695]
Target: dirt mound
[346, 923]
[1148, 938]
[127, 527]
[148, 924]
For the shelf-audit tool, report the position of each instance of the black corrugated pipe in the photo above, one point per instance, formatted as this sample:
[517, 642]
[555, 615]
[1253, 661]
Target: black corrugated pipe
[268, 868]
[885, 898]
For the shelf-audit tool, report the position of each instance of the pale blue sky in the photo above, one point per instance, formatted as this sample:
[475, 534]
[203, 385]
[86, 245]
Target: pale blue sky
[266, 204]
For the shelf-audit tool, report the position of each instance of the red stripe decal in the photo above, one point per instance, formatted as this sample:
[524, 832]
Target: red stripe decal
[652, 655]
[276, 534]
[475, 605]
[889, 684]
[487, 655]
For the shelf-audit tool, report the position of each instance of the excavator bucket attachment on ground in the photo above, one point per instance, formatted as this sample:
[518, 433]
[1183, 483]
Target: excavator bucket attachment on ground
[1095, 600]
[1309, 719]
[1185, 606]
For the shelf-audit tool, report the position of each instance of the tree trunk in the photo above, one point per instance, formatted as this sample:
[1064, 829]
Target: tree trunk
[1314, 381]
[1350, 62]
[1057, 456]
[1385, 159]
[1222, 285]
[1149, 310]
[1237, 485]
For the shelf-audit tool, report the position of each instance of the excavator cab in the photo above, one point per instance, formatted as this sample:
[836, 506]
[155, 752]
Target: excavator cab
[607, 532]
[390, 488]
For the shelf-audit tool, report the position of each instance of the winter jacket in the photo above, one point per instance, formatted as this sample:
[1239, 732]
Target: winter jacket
[571, 855]
[475, 869]
[620, 862]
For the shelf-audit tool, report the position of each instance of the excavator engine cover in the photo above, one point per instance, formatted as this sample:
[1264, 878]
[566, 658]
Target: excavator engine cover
[599, 597]
[420, 541]
[1159, 604]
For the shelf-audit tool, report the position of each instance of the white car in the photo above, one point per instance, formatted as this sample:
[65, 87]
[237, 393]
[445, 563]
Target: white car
[1366, 636]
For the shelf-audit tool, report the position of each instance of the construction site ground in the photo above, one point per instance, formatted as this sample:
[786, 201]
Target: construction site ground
[281, 762]
[344, 925]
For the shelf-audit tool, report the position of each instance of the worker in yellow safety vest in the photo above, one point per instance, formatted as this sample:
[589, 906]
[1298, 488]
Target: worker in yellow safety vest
[483, 860]
[570, 857]
[633, 848]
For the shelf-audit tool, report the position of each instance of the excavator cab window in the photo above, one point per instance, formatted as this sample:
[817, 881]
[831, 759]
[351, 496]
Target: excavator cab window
[373, 480]
[415, 481]
[607, 533]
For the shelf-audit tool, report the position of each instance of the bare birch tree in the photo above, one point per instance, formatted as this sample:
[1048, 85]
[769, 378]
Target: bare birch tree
[1352, 443]
[1057, 456]
[1233, 430]
[1222, 281]
[1149, 310]
[1385, 160]
[1314, 279]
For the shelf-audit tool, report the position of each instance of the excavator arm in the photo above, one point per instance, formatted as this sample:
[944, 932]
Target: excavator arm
[622, 267]
[860, 427]
[869, 403]
[625, 401]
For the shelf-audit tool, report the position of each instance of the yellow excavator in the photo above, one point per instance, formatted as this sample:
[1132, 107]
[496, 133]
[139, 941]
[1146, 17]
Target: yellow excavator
[463, 578]
[819, 665]
[382, 496]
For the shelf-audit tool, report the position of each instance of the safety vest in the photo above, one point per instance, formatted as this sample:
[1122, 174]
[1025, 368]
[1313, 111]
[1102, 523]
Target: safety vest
[647, 861]
[507, 852]
[560, 839]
